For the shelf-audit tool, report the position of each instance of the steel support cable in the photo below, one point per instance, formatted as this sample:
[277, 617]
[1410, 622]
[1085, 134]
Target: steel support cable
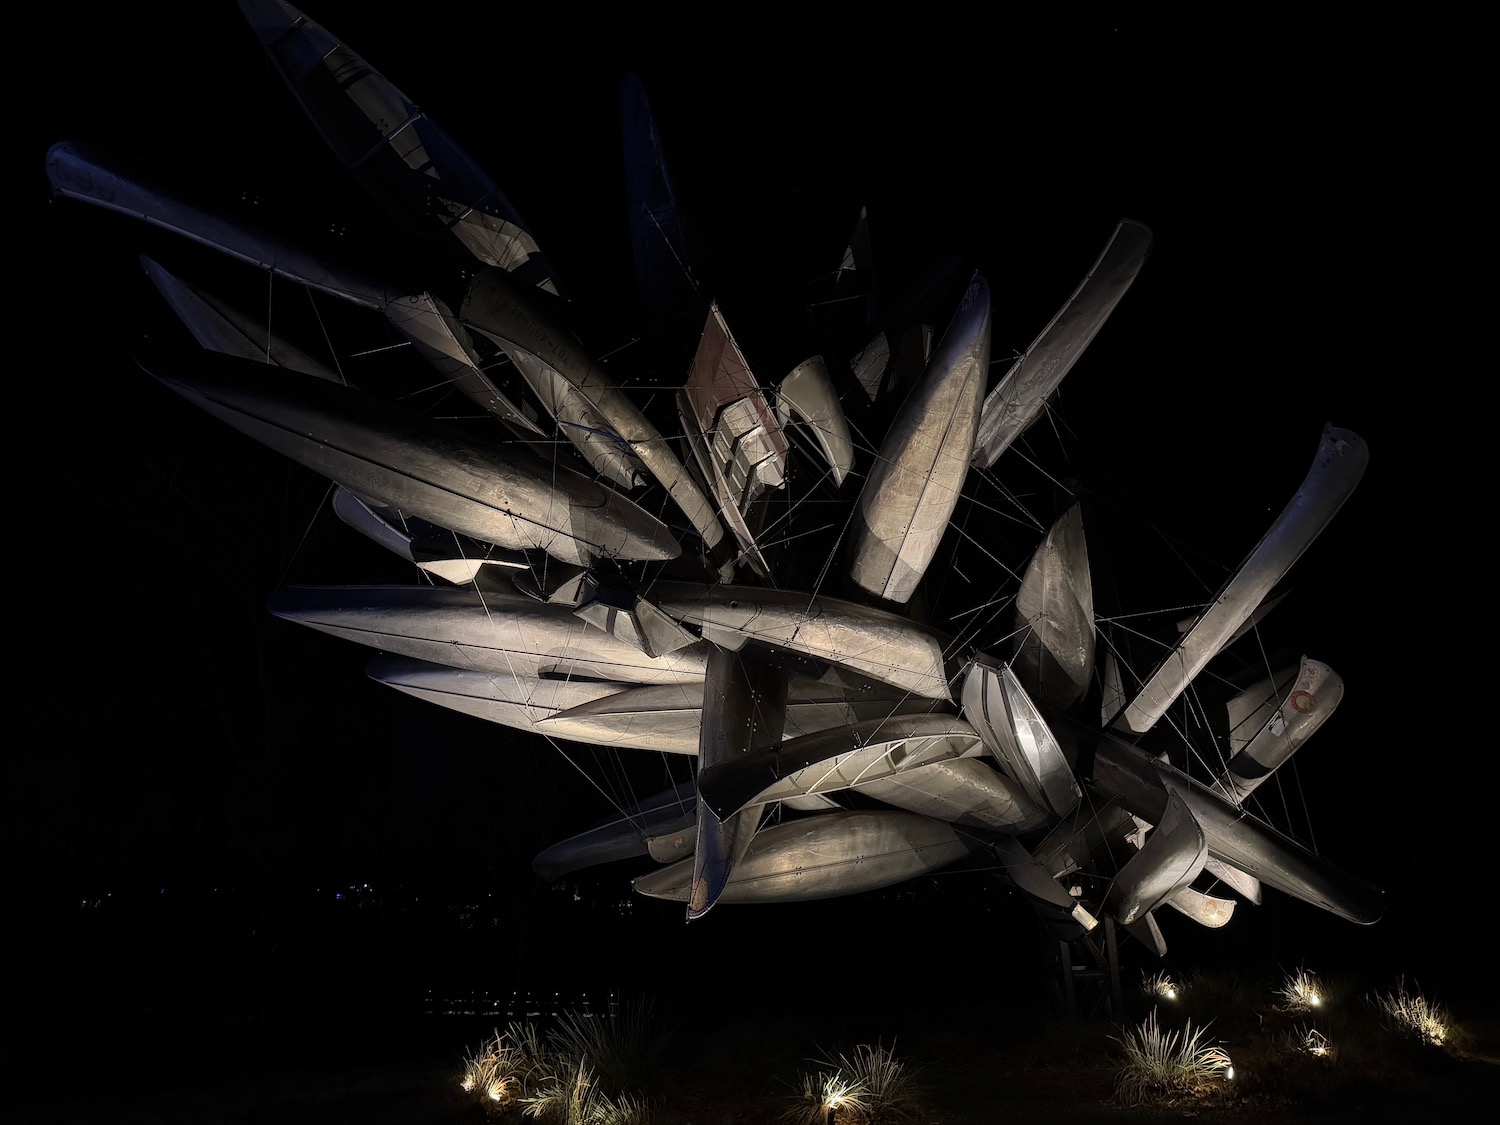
[270, 289]
[607, 796]
[1192, 707]
[973, 628]
[327, 339]
[677, 258]
[621, 776]
[582, 626]
[306, 533]
[1296, 775]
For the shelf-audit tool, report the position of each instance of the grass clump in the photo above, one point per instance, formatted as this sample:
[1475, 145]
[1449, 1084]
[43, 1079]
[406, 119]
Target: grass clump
[1412, 1015]
[1159, 986]
[1162, 1066]
[500, 1072]
[868, 1086]
[588, 1069]
[1311, 1042]
[624, 1049]
[576, 1098]
[1301, 991]
[826, 1097]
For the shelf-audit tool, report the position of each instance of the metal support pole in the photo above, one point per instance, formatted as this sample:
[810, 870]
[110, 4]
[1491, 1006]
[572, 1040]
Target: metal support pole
[1065, 961]
[1112, 962]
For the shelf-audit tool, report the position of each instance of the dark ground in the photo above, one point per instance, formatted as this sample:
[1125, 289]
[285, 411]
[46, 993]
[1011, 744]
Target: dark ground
[974, 1080]
[988, 1060]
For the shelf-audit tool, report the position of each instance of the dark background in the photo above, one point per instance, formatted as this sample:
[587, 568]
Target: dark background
[221, 835]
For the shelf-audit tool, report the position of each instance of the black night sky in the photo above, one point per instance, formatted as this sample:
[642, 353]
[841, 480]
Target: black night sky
[191, 782]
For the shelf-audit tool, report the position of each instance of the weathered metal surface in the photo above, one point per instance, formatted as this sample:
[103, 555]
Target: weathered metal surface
[1207, 910]
[915, 482]
[834, 760]
[1027, 874]
[393, 149]
[445, 343]
[507, 698]
[1147, 931]
[501, 308]
[492, 492]
[647, 828]
[86, 173]
[735, 438]
[744, 707]
[968, 792]
[668, 716]
[1096, 836]
[1170, 859]
[1246, 886]
[577, 418]
[1018, 399]
[219, 327]
[442, 553]
[1266, 737]
[871, 642]
[1054, 645]
[1142, 784]
[465, 629]
[809, 396]
[1337, 468]
[896, 356]
[1017, 734]
[632, 619]
[825, 856]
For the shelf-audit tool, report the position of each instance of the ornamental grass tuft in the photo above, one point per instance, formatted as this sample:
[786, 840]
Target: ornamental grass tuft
[1162, 1066]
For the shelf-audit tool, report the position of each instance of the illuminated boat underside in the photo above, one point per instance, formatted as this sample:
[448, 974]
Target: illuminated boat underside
[842, 741]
